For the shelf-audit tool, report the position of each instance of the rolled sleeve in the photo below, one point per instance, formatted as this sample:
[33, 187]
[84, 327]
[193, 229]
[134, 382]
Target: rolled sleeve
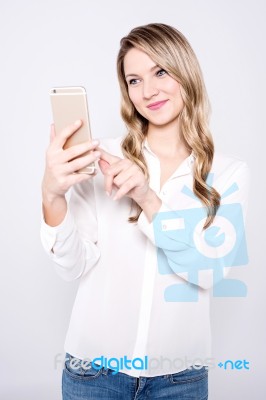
[71, 245]
[148, 227]
[51, 234]
[203, 257]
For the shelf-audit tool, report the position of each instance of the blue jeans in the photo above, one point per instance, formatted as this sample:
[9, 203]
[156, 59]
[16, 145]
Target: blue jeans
[81, 383]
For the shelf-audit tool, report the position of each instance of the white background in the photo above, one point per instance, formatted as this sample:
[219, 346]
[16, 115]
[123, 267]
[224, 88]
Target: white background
[75, 42]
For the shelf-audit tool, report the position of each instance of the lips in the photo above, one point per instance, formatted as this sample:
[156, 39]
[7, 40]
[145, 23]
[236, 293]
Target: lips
[156, 105]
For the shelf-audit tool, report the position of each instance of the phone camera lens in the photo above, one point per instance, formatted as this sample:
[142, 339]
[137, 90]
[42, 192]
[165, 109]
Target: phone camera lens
[54, 91]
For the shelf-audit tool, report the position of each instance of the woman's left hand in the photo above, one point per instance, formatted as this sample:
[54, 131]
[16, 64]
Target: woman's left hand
[125, 175]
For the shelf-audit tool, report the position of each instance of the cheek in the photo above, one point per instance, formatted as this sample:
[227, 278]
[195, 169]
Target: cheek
[174, 87]
[175, 91]
[134, 96]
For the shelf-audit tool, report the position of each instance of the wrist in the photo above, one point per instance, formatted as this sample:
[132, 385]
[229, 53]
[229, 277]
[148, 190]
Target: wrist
[54, 209]
[148, 198]
[150, 204]
[51, 198]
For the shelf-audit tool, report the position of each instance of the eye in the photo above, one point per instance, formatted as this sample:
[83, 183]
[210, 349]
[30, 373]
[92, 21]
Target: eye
[161, 72]
[133, 81]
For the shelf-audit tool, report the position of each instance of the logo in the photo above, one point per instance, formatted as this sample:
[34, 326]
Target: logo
[183, 246]
[238, 364]
[113, 363]
[145, 363]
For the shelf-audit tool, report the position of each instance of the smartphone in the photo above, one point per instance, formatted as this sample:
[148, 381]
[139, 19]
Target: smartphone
[68, 105]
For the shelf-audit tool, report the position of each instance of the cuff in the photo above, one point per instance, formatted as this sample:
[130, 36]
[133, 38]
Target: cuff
[51, 234]
[148, 227]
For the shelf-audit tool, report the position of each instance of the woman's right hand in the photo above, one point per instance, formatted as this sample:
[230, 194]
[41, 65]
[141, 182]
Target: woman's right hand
[60, 169]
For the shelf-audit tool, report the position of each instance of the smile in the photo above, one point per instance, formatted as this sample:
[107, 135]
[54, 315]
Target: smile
[156, 105]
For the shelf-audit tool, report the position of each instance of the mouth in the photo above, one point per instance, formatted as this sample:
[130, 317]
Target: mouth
[156, 105]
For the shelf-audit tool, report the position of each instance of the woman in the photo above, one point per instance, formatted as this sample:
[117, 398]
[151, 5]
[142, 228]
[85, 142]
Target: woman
[140, 324]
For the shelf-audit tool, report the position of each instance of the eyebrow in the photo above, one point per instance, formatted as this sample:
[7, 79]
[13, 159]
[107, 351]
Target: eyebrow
[153, 68]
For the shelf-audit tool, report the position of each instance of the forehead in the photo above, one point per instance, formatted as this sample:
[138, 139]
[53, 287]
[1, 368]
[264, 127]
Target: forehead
[137, 61]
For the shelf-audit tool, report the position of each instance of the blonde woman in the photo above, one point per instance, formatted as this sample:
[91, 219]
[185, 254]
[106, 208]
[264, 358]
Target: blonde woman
[134, 234]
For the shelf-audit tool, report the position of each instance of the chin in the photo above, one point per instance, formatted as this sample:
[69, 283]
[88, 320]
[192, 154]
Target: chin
[161, 121]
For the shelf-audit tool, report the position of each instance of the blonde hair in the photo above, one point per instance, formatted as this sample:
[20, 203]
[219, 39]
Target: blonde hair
[170, 50]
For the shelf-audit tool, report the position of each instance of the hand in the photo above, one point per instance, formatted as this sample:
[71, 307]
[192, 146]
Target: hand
[130, 181]
[59, 173]
[124, 175]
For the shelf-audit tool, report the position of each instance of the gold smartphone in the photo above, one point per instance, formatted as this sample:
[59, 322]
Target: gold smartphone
[68, 105]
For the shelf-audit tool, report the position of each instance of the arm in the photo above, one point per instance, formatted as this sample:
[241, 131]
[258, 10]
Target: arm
[63, 236]
[71, 245]
[196, 255]
[180, 248]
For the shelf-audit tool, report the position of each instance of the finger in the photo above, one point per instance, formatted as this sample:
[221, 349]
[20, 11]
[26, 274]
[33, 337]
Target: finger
[104, 165]
[110, 173]
[61, 137]
[82, 162]
[118, 167]
[78, 178]
[108, 157]
[125, 188]
[108, 180]
[125, 174]
[79, 149]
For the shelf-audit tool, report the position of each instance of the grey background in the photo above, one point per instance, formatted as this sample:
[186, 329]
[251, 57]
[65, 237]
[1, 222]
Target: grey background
[52, 43]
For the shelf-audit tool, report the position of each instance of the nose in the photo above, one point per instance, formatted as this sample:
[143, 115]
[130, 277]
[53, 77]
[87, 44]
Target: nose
[149, 89]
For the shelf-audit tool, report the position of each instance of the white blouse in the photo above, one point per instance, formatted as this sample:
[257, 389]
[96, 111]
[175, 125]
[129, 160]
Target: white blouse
[142, 305]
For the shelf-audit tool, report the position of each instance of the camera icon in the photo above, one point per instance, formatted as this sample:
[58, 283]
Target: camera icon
[184, 247]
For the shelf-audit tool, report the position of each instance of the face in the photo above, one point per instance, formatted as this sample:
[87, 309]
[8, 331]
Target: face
[154, 93]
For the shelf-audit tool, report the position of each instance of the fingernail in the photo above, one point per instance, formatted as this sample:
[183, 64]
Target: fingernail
[108, 194]
[77, 122]
[96, 153]
[95, 142]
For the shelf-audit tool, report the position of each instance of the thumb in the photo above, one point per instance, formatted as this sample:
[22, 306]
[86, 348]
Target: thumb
[107, 157]
[52, 133]
[104, 165]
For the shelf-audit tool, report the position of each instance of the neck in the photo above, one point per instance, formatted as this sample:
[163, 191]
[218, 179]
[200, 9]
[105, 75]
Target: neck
[166, 141]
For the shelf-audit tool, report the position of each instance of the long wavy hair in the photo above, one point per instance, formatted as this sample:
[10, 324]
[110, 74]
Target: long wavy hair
[170, 50]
